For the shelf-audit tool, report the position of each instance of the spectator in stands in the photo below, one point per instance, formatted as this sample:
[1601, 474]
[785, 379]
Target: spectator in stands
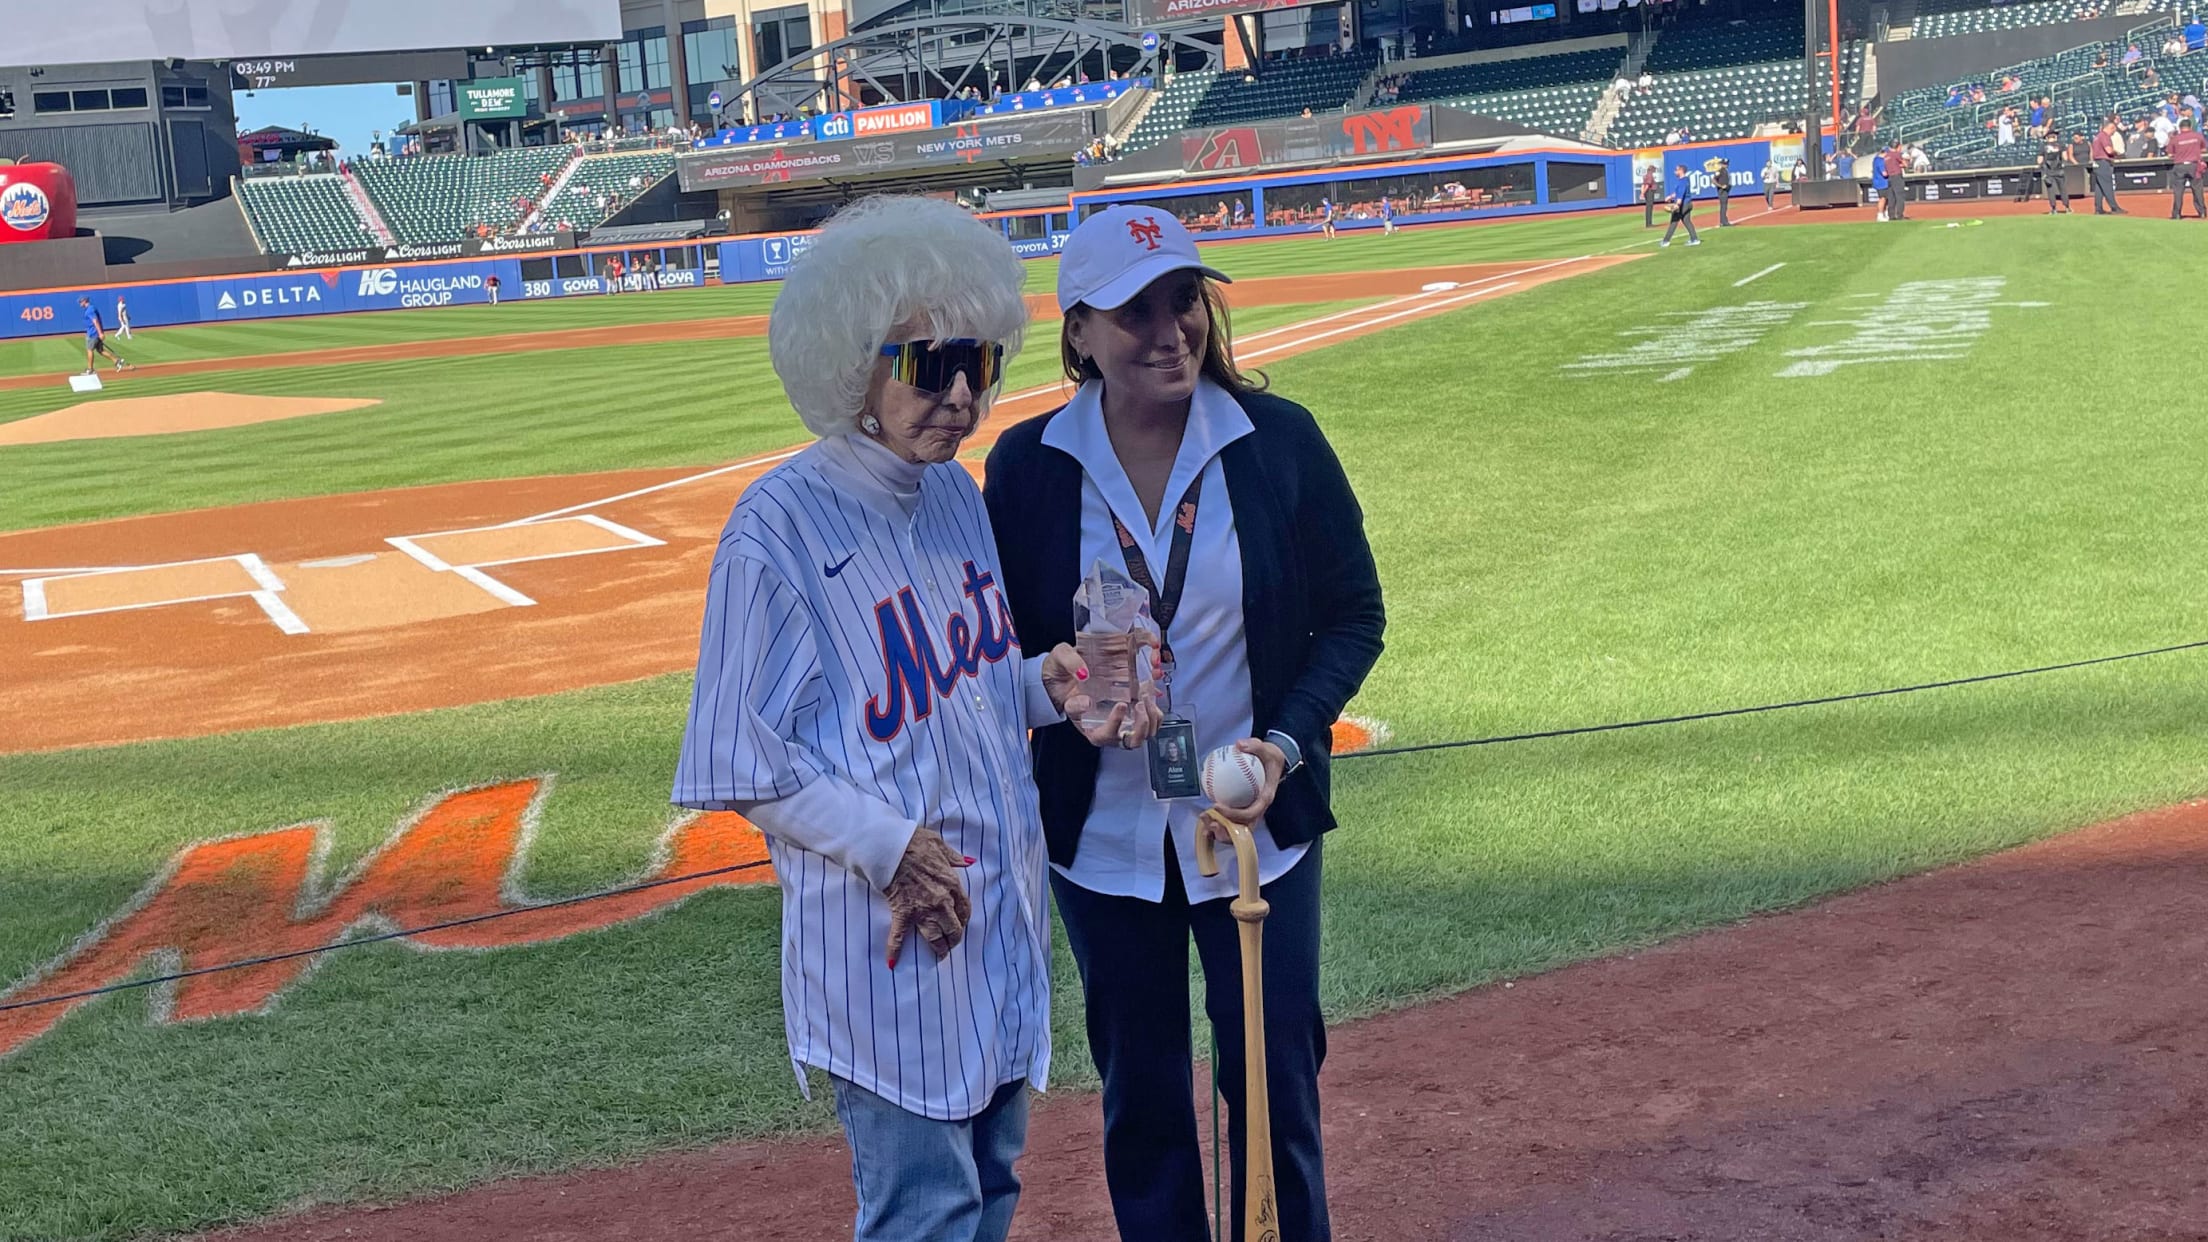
[2171, 107]
[1958, 95]
[2004, 128]
[2131, 56]
[2036, 118]
[2164, 125]
[1647, 82]
[1920, 161]
[2140, 144]
[1843, 164]
[2196, 35]
[2010, 84]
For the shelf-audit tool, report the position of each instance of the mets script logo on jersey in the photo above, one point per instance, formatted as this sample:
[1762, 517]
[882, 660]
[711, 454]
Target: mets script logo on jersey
[915, 671]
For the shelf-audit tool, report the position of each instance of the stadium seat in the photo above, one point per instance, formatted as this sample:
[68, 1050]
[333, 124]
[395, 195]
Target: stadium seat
[1514, 77]
[297, 215]
[576, 202]
[434, 198]
[1169, 113]
[1286, 88]
[1717, 44]
[1712, 103]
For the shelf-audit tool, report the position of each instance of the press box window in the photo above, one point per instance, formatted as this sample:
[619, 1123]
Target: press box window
[127, 97]
[50, 101]
[88, 101]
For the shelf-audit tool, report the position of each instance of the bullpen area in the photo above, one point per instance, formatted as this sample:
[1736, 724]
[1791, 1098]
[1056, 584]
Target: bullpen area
[320, 630]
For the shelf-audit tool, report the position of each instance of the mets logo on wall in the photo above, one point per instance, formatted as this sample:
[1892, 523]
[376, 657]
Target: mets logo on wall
[24, 207]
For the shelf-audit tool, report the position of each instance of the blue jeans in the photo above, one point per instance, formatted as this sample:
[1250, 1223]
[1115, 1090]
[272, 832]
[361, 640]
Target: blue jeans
[944, 1181]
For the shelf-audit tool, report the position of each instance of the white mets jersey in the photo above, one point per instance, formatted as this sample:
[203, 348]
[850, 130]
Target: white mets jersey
[858, 677]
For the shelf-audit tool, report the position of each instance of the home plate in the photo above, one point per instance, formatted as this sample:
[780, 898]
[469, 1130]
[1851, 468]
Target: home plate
[1439, 286]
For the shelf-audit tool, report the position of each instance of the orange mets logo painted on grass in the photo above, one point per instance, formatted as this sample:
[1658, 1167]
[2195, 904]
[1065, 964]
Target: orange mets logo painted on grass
[264, 894]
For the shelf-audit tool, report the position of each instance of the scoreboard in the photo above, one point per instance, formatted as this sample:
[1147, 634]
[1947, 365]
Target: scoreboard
[277, 72]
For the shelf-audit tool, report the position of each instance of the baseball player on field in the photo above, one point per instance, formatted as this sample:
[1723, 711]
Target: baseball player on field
[861, 698]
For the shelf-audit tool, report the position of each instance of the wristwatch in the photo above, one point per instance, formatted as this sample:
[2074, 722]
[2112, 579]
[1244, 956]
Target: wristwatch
[1288, 748]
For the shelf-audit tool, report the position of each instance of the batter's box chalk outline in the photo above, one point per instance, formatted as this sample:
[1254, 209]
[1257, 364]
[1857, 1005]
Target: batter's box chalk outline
[268, 593]
[499, 590]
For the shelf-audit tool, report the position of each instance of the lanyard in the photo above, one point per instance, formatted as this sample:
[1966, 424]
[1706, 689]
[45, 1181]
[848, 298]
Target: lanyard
[1167, 601]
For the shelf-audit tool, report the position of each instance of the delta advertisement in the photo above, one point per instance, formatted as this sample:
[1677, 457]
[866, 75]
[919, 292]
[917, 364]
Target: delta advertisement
[1031, 137]
[230, 299]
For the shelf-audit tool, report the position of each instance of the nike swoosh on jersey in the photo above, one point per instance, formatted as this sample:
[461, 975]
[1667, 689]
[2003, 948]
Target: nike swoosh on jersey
[837, 568]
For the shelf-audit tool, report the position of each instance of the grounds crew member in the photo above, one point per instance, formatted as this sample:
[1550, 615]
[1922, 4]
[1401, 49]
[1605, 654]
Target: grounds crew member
[2186, 148]
[1682, 207]
[1723, 180]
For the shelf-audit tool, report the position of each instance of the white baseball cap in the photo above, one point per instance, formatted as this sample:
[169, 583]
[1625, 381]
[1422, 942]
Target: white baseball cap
[1117, 252]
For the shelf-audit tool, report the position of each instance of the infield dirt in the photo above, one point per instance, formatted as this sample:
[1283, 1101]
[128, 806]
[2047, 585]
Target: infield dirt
[2013, 1050]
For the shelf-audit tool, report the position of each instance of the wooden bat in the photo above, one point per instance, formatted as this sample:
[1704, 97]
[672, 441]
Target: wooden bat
[1260, 1206]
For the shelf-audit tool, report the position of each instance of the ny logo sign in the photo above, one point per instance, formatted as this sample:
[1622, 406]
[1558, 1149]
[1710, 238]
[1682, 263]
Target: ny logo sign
[1393, 130]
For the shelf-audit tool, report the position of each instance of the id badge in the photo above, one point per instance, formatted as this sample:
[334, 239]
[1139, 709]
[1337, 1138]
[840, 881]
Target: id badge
[1174, 763]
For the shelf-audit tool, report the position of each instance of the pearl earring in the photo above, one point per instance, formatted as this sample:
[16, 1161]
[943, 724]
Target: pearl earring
[871, 425]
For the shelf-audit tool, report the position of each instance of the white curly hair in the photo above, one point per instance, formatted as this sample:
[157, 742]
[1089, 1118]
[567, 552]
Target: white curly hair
[877, 264]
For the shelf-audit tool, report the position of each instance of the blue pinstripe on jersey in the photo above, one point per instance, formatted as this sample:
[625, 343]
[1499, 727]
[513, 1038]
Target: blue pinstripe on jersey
[789, 661]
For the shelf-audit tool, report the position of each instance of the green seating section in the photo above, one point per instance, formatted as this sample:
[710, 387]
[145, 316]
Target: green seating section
[1711, 103]
[2084, 93]
[1718, 45]
[1286, 88]
[1513, 77]
[1940, 18]
[1560, 110]
[435, 198]
[577, 201]
[297, 215]
[1169, 114]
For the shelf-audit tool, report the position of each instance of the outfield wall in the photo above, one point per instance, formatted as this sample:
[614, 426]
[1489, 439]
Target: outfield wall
[342, 290]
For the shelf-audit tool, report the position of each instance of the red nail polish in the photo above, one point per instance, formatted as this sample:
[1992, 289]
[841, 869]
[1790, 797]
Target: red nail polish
[893, 963]
[1080, 674]
[969, 862]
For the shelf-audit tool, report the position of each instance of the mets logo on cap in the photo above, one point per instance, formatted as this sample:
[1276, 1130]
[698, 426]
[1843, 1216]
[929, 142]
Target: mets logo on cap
[24, 207]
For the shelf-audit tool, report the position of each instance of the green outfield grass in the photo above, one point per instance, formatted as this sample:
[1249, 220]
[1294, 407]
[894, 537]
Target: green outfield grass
[1556, 551]
[1433, 246]
[447, 421]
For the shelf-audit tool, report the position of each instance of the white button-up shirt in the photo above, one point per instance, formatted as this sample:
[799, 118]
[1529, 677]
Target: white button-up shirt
[1122, 850]
[858, 678]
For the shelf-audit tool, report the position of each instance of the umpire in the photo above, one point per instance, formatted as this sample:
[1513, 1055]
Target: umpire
[1723, 180]
[1652, 193]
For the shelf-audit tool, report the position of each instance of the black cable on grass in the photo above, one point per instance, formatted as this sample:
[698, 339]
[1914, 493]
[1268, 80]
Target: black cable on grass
[1719, 714]
[1764, 707]
[243, 963]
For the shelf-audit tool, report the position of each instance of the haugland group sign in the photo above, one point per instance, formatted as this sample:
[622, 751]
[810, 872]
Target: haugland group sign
[1012, 139]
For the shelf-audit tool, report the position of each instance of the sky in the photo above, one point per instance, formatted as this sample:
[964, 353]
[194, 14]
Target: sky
[349, 114]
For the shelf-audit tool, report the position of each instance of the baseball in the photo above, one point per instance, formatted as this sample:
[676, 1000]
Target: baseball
[1231, 778]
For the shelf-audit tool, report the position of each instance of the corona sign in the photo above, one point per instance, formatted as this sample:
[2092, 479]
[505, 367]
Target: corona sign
[38, 202]
[264, 894]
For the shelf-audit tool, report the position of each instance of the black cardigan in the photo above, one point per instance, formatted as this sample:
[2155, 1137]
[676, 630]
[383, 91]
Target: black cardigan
[1311, 611]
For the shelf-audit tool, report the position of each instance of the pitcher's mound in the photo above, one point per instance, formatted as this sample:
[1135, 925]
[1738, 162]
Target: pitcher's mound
[160, 416]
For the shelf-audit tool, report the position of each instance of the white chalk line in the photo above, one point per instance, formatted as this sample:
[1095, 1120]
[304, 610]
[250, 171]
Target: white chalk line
[1758, 276]
[1424, 302]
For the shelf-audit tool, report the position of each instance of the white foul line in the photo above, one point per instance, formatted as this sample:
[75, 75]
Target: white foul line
[1759, 275]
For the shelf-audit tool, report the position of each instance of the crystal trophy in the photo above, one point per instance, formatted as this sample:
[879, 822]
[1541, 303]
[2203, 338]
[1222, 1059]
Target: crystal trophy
[1111, 624]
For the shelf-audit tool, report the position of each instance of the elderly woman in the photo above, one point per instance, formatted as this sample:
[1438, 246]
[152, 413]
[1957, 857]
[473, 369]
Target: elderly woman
[1227, 505]
[862, 699]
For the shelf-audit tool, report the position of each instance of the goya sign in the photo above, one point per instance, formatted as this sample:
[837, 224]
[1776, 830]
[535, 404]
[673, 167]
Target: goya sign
[265, 894]
[493, 99]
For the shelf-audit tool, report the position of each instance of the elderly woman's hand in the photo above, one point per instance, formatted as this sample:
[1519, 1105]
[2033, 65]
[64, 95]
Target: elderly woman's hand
[1275, 763]
[1065, 674]
[927, 896]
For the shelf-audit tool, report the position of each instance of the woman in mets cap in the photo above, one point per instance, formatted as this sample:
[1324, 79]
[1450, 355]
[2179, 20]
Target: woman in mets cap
[862, 699]
[1172, 464]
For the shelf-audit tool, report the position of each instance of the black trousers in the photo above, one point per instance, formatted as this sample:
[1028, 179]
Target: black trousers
[1133, 958]
[2185, 177]
[2104, 186]
[1648, 213]
[2058, 189]
[1897, 198]
[1723, 198]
